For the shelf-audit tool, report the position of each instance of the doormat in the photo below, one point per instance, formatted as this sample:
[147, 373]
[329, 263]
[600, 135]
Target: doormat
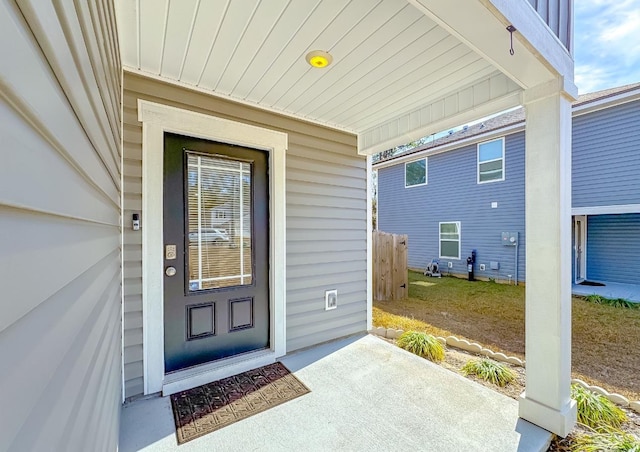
[591, 283]
[210, 407]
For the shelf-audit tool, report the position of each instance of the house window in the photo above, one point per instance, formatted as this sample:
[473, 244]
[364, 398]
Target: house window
[415, 173]
[491, 161]
[450, 240]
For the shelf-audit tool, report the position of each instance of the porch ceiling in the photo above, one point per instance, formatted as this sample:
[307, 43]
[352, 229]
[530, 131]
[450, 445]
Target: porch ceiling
[396, 74]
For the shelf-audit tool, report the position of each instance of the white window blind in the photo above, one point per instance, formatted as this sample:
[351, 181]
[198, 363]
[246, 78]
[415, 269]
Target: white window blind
[219, 222]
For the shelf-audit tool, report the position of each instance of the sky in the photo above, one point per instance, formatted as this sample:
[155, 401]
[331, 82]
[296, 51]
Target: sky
[607, 43]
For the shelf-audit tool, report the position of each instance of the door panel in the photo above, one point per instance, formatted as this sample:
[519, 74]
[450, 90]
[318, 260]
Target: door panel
[216, 302]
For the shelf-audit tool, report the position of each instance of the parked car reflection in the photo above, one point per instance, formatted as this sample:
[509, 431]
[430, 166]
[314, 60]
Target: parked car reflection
[215, 235]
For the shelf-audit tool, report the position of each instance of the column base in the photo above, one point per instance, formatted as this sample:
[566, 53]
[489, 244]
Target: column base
[560, 422]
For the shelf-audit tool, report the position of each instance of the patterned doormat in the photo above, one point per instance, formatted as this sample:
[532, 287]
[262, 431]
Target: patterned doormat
[213, 406]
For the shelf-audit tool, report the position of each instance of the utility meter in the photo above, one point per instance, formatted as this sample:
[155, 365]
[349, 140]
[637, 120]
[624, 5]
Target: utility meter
[510, 238]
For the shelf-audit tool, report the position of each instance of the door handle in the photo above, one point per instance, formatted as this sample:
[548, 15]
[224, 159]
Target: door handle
[170, 271]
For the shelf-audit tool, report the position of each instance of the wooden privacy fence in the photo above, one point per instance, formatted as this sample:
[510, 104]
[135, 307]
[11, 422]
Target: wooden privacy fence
[390, 276]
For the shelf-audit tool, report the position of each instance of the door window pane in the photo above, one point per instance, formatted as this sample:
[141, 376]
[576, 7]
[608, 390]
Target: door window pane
[219, 222]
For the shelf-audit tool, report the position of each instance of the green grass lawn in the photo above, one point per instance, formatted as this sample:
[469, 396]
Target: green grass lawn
[605, 339]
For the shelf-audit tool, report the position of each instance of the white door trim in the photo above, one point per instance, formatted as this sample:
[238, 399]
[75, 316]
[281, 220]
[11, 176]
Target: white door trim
[577, 278]
[156, 120]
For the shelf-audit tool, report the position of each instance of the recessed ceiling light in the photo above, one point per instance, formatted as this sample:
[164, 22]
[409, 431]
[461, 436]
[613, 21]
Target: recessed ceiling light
[319, 58]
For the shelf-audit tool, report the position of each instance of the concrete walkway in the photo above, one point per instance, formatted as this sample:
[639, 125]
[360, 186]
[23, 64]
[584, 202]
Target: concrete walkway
[366, 394]
[630, 292]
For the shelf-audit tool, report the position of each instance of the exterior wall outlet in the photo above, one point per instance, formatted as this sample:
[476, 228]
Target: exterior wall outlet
[330, 299]
[449, 264]
[482, 267]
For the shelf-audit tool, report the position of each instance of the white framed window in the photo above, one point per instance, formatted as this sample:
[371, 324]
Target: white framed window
[491, 161]
[415, 173]
[449, 240]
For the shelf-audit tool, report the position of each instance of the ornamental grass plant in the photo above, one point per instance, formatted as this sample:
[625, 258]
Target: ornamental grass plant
[422, 344]
[615, 302]
[489, 370]
[607, 439]
[595, 410]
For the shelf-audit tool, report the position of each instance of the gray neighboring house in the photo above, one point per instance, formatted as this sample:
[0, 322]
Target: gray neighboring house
[463, 191]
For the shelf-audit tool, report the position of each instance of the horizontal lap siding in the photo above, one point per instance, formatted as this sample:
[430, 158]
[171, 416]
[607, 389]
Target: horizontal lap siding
[60, 308]
[453, 194]
[326, 221]
[606, 157]
[613, 247]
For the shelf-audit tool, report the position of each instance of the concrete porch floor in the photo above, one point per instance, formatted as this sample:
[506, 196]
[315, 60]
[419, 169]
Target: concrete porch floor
[366, 394]
[614, 290]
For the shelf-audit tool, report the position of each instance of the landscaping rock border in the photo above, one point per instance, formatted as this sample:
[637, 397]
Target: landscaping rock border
[473, 347]
[452, 341]
[612, 396]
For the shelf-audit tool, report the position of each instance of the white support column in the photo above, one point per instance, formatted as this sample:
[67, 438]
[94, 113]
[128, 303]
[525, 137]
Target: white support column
[547, 400]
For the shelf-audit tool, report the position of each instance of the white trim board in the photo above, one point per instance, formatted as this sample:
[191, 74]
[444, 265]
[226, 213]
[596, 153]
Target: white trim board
[369, 245]
[606, 210]
[156, 120]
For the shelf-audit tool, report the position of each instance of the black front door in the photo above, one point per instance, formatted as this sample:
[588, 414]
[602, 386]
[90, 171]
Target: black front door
[216, 235]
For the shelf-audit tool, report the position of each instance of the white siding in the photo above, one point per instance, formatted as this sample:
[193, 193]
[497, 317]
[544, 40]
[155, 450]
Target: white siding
[326, 221]
[60, 275]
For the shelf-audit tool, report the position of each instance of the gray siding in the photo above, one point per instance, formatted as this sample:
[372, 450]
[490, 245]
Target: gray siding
[558, 15]
[606, 157]
[326, 221]
[613, 247]
[60, 307]
[452, 194]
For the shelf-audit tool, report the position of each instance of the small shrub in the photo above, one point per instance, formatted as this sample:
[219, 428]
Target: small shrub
[622, 303]
[594, 298]
[606, 439]
[615, 302]
[489, 370]
[422, 344]
[595, 410]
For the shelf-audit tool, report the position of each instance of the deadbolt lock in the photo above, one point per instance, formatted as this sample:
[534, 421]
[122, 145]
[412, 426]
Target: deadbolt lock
[170, 252]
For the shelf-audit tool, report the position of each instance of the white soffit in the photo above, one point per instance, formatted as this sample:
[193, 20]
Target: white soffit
[389, 58]
[492, 94]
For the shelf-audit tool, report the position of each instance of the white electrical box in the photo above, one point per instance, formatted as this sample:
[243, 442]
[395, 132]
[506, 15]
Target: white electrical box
[330, 299]
[510, 238]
